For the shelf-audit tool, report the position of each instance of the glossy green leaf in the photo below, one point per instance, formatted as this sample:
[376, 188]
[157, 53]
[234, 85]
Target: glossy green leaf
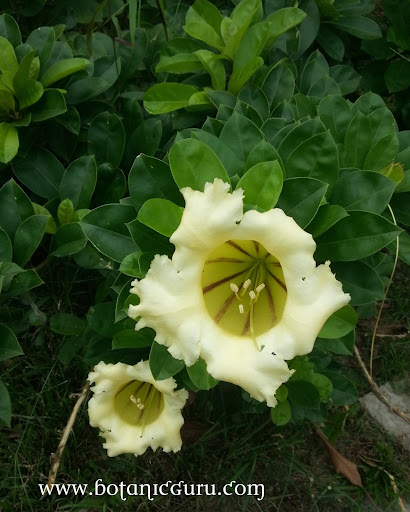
[357, 141]
[262, 185]
[166, 97]
[106, 139]
[61, 69]
[214, 66]
[344, 392]
[301, 198]
[339, 324]
[360, 280]
[23, 282]
[5, 406]
[193, 164]
[363, 190]
[278, 84]
[6, 249]
[15, 207]
[130, 338]
[203, 21]
[79, 181]
[359, 26]
[28, 237]
[145, 139]
[346, 78]
[67, 324]
[26, 87]
[105, 228]
[335, 114]
[42, 40]
[247, 60]
[101, 319]
[325, 218]
[282, 20]
[342, 346]
[9, 346]
[40, 171]
[161, 215]
[304, 400]
[241, 135]
[69, 239]
[162, 364]
[8, 59]
[10, 30]
[9, 142]
[65, 211]
[355, 237]
[233, 28]
[199, 375]
[136, 264]
[51, 104]
[178, 56]
[110, 186]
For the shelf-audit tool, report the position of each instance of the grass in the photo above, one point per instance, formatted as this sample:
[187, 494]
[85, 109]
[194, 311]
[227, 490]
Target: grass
[221, 442]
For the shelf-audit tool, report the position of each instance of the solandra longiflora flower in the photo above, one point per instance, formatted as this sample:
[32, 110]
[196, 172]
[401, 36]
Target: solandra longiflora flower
[242, 291]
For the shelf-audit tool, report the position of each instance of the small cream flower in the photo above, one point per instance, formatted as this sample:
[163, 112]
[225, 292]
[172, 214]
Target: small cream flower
[133, 410]
[242, 291]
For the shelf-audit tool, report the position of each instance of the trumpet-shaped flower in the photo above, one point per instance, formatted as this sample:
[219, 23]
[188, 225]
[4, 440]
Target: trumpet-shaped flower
[133, 410]
[242, 291]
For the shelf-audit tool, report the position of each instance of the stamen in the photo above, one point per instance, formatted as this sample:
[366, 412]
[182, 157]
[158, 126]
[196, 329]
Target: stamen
[247, 284]
[252, 295]
[234, 288]
[133, 399]
[241, 309]
[260, 288]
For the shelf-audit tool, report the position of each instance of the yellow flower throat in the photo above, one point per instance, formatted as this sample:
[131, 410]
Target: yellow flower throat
[243, 287]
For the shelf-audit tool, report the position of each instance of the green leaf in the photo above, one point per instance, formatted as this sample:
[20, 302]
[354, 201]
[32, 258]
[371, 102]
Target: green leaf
[28, 237]
[343, 345]
[69, 239]
[162, 364]
[325, 218]
[136, 264]
[106, 230]
[27, 89]
[110, 187]
[361, 281]
[282, 20]
[339, 324]
[8, 59]
[6, 249]
[42, 40]
[363, 190]
[10, 30]
[281, 413]
[355, 237]
[79, 181]
[346, 78]
[161, 215]
[9, 346]
[331, 43]
[358, 26]
[40, 171]
[150, 177]
[23, 282]
[9, 142]
[304, 400]
[106, 139]
[335, 114]
[130, 338]
[5, 406]
[199, 375]
[145, 138]
[241, 135]
[247, 60]
[67, 324]
[65, 211]
[278, 84]
[70, 120]
[61, 69]
[178, 56]
[101, 318]
[301, 198]
[262, 184]
[167, 97]
[344, 392]
[203, 21]
[214, 65]
[51, 104]
[193, 164]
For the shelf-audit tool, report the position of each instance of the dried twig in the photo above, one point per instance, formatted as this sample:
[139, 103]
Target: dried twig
[56, 457]
[376, 389]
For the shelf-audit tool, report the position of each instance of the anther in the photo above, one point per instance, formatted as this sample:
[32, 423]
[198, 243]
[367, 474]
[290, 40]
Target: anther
[241, 309]
[133, 399]
[234, 288]
[252, 295]
[246, 284]
[260, 288]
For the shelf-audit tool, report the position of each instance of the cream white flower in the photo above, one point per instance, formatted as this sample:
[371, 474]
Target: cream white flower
[242, 291]
[133, 410]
